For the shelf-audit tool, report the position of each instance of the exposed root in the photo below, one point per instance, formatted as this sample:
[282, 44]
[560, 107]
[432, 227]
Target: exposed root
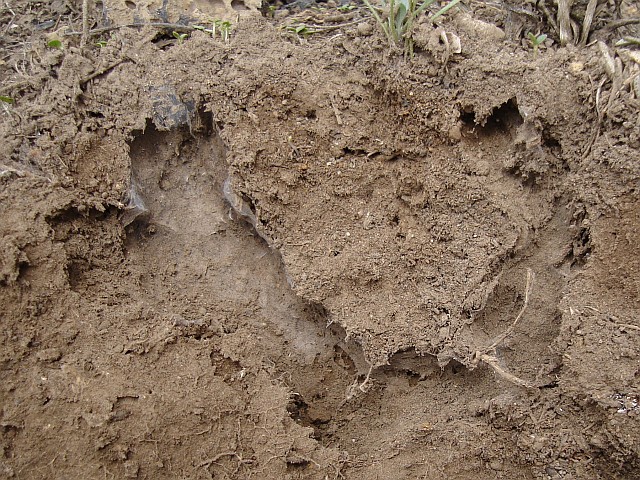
[501, 338]
[488, 354]
[363, 387]
[493, 362]
[209, 461]
[356, 388]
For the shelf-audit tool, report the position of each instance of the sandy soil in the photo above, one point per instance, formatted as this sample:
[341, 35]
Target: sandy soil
[287, 257]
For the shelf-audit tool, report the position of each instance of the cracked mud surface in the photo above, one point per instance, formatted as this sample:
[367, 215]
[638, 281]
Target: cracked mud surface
[322, 320]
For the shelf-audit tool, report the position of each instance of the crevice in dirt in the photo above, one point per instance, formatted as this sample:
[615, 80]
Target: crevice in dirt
[183, 177]
[580, 248]
[540, 324]
[87, 247]
[503, 121]
[181, 182]
[226, 368]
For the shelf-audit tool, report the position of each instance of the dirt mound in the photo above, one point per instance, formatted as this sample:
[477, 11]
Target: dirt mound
[290, 257]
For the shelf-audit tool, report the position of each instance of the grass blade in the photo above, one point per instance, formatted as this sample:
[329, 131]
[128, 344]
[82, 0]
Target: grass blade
[375, 14]
[445, 9]
[392, 20]
[401, 15]
[422, 8]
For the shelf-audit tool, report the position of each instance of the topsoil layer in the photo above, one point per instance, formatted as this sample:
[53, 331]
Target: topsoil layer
[282, 257]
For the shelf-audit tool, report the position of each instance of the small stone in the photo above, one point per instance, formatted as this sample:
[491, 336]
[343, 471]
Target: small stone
[482, 168]
[455, 134]
[49, 355]
[539, 444]
[7, 471]
[552, 472]
[131, 469]
[364, 29]
[576, 67]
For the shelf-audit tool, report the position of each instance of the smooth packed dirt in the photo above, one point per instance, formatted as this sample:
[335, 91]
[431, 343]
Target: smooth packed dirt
[304, 256]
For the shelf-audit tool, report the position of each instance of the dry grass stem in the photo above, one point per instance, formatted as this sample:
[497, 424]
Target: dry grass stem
[588, 20]
[85, 23]
[564, 22]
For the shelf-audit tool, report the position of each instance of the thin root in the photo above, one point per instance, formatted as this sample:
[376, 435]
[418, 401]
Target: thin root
[527, 292]
[490, 359]
[357, 388]
[493, 363]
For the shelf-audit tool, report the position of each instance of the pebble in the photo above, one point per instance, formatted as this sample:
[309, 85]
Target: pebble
[576, 67]
[365, 29]
[49, 355]
[455, 134]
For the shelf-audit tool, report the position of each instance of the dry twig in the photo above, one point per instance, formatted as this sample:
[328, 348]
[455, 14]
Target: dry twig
[160, 25]
[622, 22]
[209, 461]
[335, 110]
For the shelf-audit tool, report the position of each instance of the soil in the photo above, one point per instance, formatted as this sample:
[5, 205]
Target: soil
[290, 256]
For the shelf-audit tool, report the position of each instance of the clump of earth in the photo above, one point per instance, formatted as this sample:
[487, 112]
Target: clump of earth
[285, 250]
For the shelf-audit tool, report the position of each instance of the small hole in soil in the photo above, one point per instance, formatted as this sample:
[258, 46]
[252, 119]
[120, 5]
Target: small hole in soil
[206, 121]
[238, 5]
[348, 151]
[163, 39]
[413, 378]
[505, 118]
[503, 121]
[550, 141]
[581, 250]
[297, 464]
[76, 272]
[468, 118]
[455, 367]
[130, 5]
[297, 408]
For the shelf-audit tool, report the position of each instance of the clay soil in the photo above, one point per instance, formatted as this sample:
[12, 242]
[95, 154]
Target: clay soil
[292, 256]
